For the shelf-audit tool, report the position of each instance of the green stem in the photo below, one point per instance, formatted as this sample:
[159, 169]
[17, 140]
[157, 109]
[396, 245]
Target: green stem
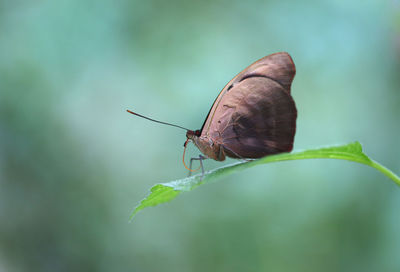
[385, 171]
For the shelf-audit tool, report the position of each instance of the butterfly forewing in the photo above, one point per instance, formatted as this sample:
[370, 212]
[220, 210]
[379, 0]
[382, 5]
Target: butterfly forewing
[255, 115]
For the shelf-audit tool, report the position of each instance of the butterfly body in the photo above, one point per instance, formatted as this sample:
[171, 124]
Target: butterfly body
[211, 147]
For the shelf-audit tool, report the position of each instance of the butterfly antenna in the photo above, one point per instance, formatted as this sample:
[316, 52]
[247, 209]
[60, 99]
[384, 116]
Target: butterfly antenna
[160, 122]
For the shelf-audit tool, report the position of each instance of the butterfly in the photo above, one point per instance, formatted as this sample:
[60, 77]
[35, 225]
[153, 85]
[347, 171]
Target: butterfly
[253, 116]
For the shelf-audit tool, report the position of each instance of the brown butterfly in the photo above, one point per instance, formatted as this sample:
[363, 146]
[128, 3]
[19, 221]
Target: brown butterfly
[253, 116]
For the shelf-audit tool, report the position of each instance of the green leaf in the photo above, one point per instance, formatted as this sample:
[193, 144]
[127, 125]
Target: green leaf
[164, 192]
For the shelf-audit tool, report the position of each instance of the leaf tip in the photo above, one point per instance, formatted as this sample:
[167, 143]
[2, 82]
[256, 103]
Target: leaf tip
[158, 194]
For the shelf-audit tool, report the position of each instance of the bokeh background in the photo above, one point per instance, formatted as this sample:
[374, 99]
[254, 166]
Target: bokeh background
[73, 163]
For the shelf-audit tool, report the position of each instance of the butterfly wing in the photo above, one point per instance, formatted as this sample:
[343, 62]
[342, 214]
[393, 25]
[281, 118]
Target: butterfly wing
[255, 115]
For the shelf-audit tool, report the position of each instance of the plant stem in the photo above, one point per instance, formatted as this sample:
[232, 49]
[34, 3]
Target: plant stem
[385, 171]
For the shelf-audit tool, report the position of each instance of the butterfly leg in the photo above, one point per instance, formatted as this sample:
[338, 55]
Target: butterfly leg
[200, 158]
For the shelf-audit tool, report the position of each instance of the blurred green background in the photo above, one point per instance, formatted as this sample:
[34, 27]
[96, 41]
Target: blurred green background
[73, 163]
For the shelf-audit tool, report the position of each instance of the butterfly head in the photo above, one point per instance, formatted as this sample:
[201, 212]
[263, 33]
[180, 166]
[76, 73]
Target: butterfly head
[190, 135]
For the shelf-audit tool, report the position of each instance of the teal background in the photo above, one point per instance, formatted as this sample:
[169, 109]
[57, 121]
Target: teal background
[73, 163]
